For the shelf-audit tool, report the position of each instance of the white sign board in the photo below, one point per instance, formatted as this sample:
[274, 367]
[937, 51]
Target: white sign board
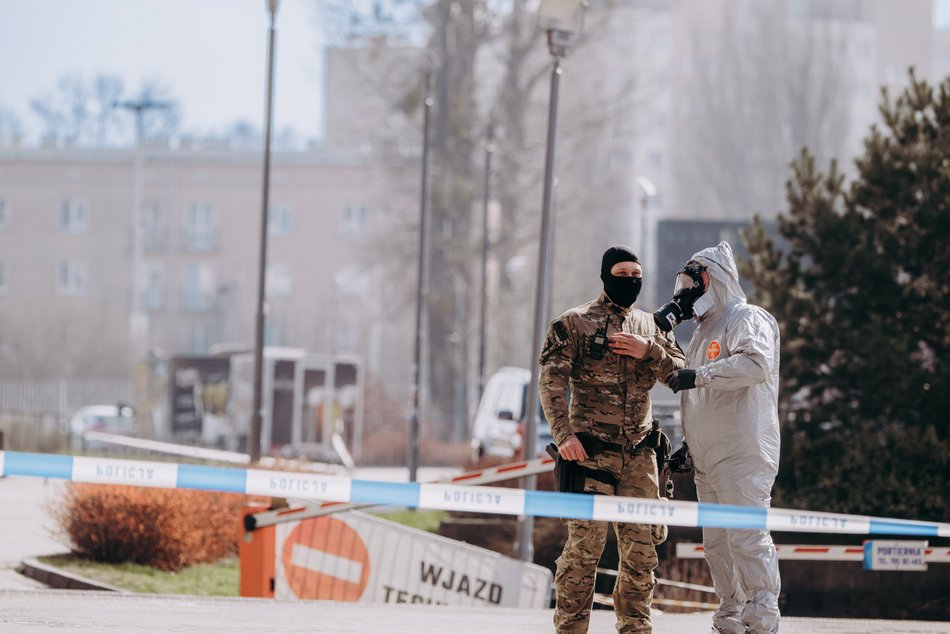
[354, 556]
[895, 555]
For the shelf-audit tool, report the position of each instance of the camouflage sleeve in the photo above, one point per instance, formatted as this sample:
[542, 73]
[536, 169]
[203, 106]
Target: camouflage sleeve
[665, 355]
[557, 360]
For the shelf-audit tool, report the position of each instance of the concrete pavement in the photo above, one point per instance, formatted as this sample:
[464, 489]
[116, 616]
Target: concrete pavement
[55, 611]
[26, 527]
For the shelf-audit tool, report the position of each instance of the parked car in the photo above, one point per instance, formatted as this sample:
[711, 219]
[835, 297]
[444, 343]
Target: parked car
[111, 419]
[498, 429]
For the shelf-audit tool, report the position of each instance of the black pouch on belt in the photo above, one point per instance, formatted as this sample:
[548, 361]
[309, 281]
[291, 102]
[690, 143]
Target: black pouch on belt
[570, 477]
[660, 443]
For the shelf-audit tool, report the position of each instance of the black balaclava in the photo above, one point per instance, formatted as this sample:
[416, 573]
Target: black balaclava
[622, 291]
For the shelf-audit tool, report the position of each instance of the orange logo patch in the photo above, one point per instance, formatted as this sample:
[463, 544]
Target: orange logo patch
[712, 352]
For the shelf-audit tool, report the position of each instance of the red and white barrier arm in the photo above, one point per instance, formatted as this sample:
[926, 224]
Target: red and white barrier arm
[481, 476]
[940, 555]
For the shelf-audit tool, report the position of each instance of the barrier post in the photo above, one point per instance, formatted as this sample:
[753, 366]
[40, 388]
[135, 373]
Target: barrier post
[256, 553]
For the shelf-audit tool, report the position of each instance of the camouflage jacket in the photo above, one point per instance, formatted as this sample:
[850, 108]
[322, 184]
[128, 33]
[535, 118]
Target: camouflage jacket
[609, 397]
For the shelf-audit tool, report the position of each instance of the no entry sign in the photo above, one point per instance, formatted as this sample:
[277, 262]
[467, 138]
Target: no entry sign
[324, 558]
[354, 556]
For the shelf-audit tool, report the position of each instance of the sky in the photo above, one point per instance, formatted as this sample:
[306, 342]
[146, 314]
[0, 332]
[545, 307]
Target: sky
[211, 53]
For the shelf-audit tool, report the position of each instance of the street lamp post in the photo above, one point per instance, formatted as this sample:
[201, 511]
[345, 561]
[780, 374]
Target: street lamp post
[254, 441]
[422, 287]
[562, 20]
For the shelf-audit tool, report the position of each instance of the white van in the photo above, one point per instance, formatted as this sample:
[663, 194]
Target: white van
[498, 426]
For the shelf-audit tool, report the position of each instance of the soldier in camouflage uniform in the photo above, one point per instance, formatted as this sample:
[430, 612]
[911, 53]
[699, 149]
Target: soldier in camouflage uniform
[609, 355]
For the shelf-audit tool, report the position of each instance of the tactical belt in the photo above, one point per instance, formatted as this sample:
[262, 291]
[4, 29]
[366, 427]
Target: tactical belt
[570, 476]
[594, 445]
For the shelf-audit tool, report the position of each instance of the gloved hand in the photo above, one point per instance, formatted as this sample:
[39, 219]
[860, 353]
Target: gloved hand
[684, 379]
[681, 461]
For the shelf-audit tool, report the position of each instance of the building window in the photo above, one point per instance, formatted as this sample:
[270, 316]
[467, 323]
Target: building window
[4, 213]
[279, 221]
[200, 228]
[154, 232]
[274, 333]
[73, 216]
[71, 278]
[353, 220]
[352, 282]
[4, 279]
[279, 281]
[154, 293]
[201, 336]
[618, 160]
[199, 288]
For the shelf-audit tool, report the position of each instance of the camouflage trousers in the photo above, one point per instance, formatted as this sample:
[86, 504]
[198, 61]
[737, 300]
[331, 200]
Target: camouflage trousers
[636, 543]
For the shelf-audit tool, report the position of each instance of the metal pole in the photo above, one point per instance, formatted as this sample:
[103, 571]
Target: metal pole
[139, 322]
[542, 292]
[486, 196]
[138, 317]
[422, 290]
[254, 441]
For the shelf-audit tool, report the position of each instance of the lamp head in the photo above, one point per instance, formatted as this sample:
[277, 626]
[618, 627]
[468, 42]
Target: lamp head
[563, 20]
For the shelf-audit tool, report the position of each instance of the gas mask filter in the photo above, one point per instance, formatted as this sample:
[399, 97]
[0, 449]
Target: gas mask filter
[687, 288]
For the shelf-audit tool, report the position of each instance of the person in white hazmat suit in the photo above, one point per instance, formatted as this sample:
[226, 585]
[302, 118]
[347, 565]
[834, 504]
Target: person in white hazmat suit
[730, 422]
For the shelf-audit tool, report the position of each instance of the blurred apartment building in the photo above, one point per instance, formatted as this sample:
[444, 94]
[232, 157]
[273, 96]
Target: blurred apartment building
[66, 248]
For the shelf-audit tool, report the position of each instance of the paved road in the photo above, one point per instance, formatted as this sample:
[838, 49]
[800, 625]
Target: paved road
[26, 607]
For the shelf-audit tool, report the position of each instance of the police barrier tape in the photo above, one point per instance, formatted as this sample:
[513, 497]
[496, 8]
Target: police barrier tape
[452, 497]
[469, 478]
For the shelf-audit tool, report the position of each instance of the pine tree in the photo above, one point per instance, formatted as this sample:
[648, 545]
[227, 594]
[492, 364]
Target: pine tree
[860, 284]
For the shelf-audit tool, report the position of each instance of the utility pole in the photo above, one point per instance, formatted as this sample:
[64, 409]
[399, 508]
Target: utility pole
[138, 317]
[254, 441]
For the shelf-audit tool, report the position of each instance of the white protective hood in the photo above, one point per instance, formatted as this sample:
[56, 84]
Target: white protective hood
[731, 419]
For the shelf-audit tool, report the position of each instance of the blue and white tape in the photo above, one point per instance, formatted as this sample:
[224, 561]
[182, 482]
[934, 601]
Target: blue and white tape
[451, 497]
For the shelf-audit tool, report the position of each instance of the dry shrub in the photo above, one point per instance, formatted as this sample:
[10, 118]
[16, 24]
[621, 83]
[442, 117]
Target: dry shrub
[167, 529]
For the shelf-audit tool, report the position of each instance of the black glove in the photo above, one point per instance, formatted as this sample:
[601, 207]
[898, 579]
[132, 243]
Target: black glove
[684, 379]
[681, 461]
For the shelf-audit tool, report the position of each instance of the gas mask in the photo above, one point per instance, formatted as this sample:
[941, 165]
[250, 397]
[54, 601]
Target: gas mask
[687, 289]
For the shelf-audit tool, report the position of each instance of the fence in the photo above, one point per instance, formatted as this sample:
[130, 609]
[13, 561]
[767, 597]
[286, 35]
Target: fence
[61, 397]
[34, 414]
